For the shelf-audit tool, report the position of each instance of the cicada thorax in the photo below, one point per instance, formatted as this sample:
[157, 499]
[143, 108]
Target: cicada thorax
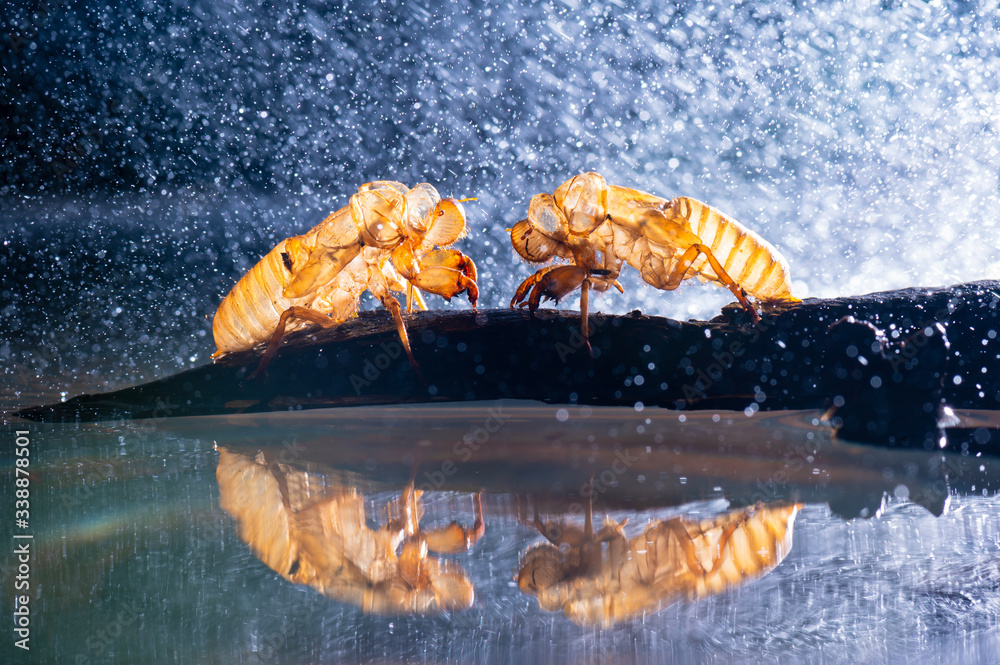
[378, 215]
[584, 201]
[420, 202]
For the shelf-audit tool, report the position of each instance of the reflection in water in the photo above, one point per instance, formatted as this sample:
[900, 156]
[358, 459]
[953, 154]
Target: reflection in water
[313, 529]
[314, 532]
[604, 577]
[129, 536]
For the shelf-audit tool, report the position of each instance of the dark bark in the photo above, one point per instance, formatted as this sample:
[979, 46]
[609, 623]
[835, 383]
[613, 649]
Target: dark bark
[882, 365]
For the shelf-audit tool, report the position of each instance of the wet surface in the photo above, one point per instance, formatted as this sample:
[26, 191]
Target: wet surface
[137, 535]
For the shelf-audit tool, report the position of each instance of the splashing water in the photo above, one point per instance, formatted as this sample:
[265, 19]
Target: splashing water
[152, 153]
[181, 143]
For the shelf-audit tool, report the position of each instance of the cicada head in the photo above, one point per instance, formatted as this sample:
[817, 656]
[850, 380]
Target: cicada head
[445, 224]
[541, 568]
[531, 243]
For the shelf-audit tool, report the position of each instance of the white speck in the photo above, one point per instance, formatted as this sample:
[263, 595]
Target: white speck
[562, 415]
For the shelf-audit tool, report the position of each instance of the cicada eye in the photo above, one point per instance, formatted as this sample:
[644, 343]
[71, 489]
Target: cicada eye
[445, 223]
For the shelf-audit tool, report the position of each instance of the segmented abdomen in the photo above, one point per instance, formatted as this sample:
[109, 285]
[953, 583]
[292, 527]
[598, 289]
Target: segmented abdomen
[250, 313]
[757, 542]
[751, 261]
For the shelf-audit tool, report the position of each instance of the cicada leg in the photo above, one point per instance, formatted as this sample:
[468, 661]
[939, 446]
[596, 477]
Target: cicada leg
[584, 314]
[392, 305]
[524, 288]
[454, 538]
[558, 281]
[413, 297]
[379, 285]
[687, 544]
[554, 282]
[446, 282]
[445, 272]
[303, 313]
[684, 264]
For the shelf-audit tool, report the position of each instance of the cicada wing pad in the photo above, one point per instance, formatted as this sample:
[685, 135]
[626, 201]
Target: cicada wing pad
[337, 230]
[660, 227]
[319, 269]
